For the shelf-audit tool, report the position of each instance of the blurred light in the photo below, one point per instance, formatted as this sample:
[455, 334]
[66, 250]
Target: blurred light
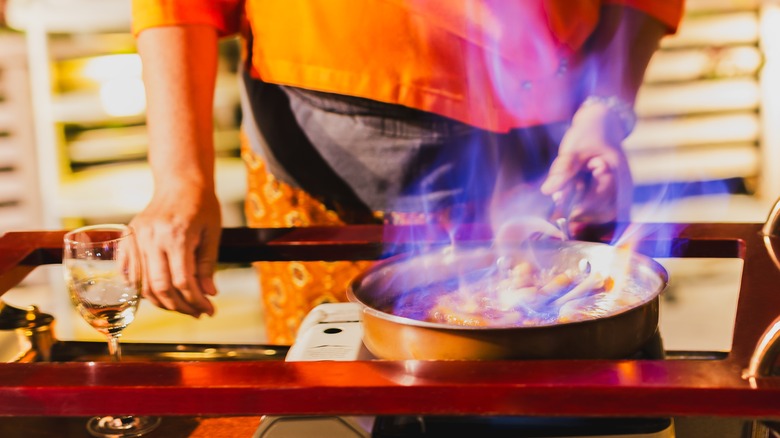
[121, 86]
[123, 96]
[104, 68]
[770, 108]
[748, 59]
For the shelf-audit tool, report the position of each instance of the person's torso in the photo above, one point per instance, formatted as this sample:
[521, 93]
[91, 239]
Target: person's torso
[493, 64]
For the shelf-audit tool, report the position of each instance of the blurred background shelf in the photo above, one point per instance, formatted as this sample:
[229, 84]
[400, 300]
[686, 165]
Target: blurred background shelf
[88, 108]
[117, 191]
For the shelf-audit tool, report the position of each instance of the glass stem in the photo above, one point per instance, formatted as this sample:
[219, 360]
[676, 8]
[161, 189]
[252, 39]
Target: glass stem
[113, 348]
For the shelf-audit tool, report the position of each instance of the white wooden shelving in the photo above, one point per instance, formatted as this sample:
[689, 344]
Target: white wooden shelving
[704, 104]
[19, 206]
[90, 162]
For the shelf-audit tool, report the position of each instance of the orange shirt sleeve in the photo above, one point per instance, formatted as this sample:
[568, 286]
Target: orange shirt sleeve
[224, 15]
[669, 12]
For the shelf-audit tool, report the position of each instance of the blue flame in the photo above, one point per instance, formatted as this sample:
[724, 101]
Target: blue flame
[662, 203]
[493, 178]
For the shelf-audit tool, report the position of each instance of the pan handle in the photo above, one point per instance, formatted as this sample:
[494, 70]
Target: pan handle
[765, 354]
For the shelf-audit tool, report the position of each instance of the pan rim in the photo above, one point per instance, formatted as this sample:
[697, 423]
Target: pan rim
[647, 263]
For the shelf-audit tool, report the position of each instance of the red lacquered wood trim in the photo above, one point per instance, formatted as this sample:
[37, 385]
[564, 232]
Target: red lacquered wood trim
[601, 388]
[711, 387]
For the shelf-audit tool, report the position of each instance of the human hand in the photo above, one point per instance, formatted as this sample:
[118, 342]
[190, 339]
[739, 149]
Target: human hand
[590, 180]
[178, 235]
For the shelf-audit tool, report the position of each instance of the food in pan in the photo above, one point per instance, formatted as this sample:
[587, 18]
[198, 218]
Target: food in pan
[519, 295]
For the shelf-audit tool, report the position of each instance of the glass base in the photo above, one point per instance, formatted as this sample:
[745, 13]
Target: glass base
[121, 426]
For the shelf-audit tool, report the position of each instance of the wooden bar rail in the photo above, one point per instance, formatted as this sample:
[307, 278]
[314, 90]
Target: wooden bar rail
[697, 387]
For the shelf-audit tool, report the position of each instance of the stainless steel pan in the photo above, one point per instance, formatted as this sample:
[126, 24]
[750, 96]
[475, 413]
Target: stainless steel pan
[405, 279]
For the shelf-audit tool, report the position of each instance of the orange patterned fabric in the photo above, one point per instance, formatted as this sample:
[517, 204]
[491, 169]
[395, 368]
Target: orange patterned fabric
[290, 290]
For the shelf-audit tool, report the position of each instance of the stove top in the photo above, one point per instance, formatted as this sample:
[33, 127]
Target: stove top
[333, 332]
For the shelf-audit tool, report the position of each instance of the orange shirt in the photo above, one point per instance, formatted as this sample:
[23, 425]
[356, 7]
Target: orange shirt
[494, 64]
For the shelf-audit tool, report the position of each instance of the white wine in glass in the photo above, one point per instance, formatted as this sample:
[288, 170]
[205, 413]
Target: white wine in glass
[103, 274]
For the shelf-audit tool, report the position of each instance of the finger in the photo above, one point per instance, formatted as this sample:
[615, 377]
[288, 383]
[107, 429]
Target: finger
[185, 281]
[156, 277]
[563, 166]
[206, 259]
[600, 203]
[562, 203]
[207, 285]
[562, 170]
[144, 261]
[129, 264]
[161, 286]
[152, 299]
[617, 184]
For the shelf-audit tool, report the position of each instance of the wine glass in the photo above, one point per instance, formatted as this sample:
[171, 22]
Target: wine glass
[103, 274]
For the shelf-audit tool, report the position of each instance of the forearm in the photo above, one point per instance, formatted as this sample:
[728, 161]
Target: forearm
[616, 57]
[179, 230]
[618, 52]
[179, 65]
